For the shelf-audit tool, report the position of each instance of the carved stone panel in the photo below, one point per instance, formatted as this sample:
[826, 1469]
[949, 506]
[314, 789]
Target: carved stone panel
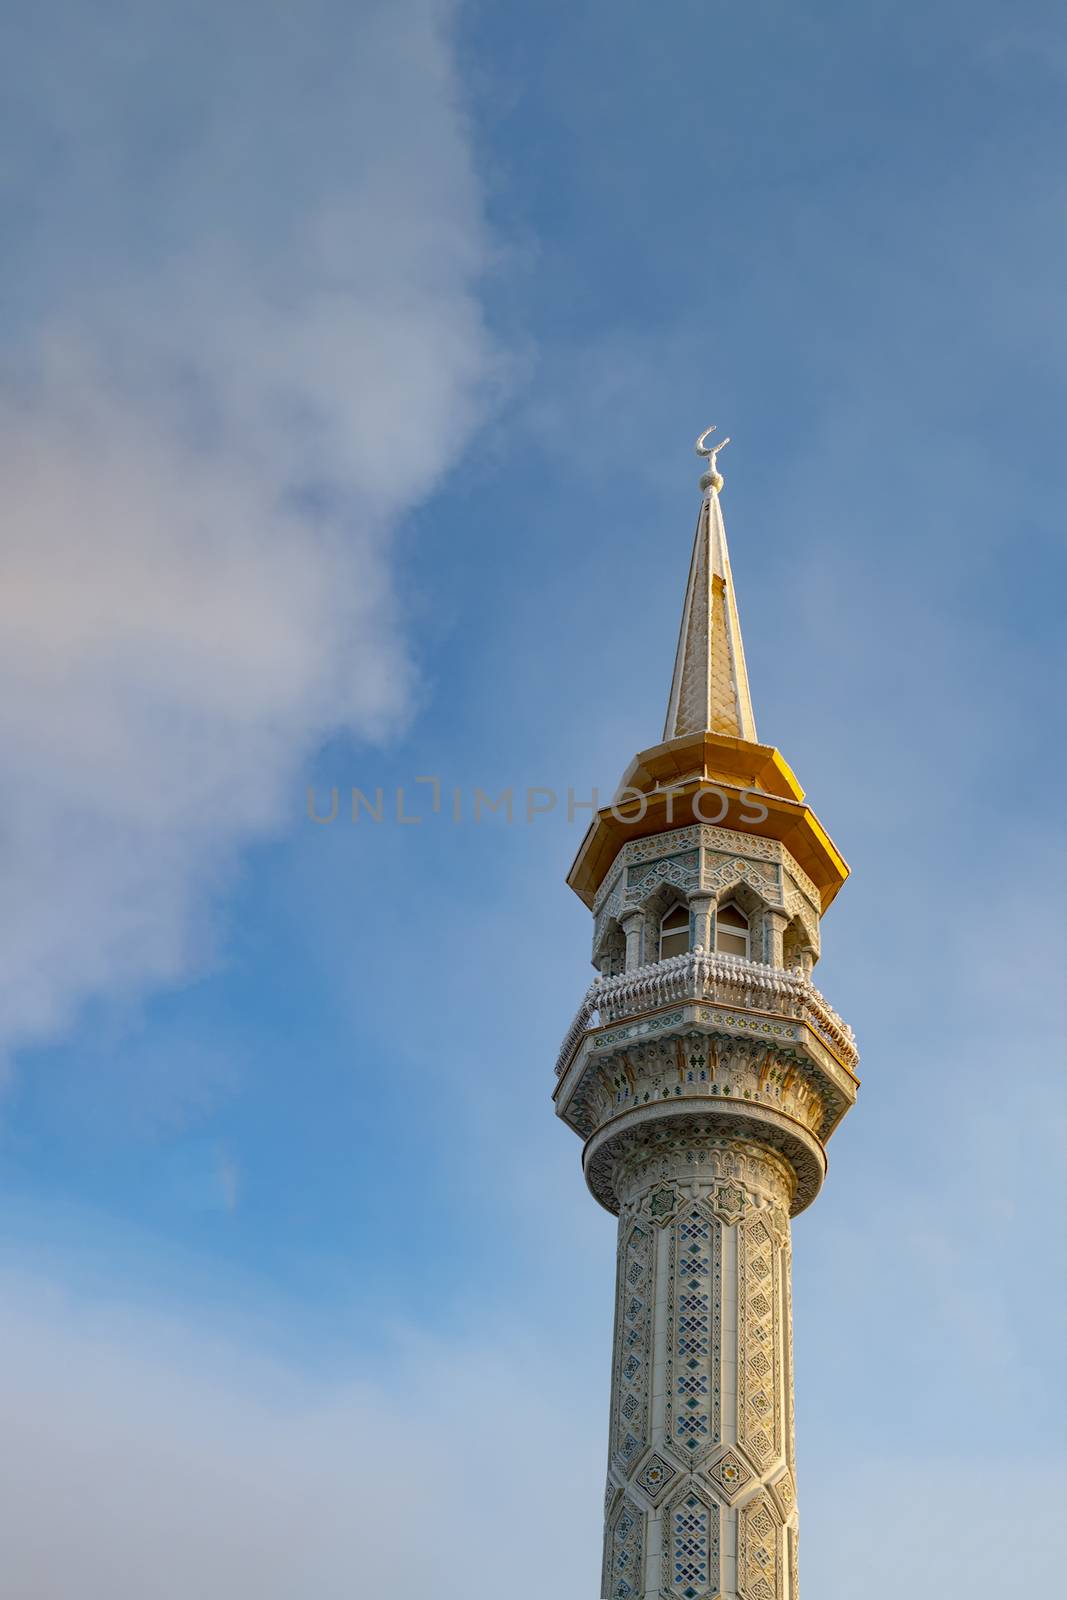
[624, 1554]
[633, 1346]
[694, 1334]
[760, 1574]
[691, 1547]
[759, 1412]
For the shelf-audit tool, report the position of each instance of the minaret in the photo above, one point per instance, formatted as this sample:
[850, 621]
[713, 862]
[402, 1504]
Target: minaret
[705, 1073]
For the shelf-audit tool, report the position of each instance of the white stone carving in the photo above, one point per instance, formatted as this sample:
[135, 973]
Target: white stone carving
[715, 1475]
[703, 975]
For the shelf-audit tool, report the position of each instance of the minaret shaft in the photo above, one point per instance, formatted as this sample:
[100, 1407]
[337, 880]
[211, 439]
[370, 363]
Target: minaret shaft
[701, 1498]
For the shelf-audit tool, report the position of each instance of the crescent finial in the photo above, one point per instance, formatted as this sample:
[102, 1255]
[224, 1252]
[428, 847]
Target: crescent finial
[712, 479]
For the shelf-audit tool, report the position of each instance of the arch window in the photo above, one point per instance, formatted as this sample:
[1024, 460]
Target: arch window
[674, 932]
[731, 931]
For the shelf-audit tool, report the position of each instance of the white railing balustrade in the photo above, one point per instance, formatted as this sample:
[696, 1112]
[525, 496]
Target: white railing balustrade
[707, 975]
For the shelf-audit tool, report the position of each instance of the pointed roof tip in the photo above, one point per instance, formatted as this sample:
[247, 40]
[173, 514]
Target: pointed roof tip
[709, 689]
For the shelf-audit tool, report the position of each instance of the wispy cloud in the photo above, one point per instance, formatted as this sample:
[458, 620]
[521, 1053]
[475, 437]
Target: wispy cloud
[184, 1467]
[143, 1458]
[249, 341]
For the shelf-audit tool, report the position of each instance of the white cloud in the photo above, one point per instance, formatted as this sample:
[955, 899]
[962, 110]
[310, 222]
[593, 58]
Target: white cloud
[250, 341]
[141, 1463]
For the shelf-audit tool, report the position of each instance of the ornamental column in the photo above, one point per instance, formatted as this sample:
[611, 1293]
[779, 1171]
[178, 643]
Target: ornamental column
[702, 911]
[632, 924]
[777, 921]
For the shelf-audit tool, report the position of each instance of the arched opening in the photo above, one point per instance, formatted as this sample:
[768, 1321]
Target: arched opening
[610, 955]
[797, 948]
[674, 932]
[731, 930]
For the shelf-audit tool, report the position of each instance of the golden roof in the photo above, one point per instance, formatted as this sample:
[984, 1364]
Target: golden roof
[709, 745]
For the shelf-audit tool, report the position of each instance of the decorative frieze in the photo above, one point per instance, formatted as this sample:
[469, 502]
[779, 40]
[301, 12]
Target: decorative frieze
[730, 1174]
[683, 871]
[764, 1071]
[705, 860]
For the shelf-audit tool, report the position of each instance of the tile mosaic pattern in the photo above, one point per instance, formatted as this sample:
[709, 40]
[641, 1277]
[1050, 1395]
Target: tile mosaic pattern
[759, 1551]
[759, 1414]
[694, 1338]
[729, 1475]
[624, 1577]
[656, 1476]
[633, 1346]
[691, 1550]
[699, 1472]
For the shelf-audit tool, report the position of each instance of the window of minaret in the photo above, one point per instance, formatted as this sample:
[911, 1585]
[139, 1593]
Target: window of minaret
[674, 932]
[731, 931]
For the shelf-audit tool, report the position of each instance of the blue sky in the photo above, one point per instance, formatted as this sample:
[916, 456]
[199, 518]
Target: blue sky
[352, 360]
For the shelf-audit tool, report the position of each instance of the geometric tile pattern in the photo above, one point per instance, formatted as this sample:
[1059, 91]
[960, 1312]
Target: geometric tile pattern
[759, 1560]
[759, 1418]
[633, 1347]
[784, 1492]
[730, 1202]
[662, 1205]
[685, 1489]
[694, 1322]
[624, 1577]
[656, 1476]
[691, 1547]
[785, 1266]
[681, 870]
[729, 1475]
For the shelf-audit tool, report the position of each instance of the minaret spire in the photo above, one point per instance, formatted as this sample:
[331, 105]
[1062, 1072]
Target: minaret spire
[709, 690]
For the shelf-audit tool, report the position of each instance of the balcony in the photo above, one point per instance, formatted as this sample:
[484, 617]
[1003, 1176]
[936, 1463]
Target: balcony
[724, 980]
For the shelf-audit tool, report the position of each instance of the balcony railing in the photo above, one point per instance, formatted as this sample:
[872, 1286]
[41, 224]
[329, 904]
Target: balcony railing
[701, 975]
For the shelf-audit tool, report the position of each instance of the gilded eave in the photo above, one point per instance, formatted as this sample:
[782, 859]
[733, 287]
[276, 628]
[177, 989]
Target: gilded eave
[677, 783]
[712, 756]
